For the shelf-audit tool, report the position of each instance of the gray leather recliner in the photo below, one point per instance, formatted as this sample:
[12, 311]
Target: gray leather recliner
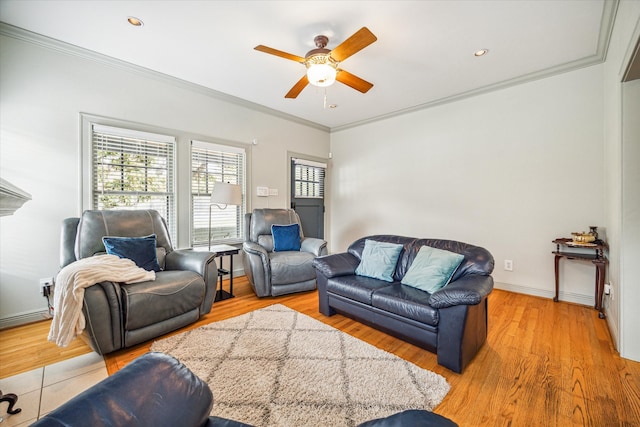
[278, 273]
[120, 316]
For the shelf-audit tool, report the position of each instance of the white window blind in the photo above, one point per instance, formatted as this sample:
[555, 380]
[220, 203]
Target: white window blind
[211, 163]
[309, 179]
[133, 170]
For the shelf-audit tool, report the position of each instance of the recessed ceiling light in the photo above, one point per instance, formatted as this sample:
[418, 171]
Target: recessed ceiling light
[135, 21]
[481, 52]
[333, 105]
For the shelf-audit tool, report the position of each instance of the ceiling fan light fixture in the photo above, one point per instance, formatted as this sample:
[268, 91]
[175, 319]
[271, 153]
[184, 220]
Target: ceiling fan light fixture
[321, 70]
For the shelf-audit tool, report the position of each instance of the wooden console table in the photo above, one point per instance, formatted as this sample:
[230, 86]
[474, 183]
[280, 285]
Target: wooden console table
[563, 250]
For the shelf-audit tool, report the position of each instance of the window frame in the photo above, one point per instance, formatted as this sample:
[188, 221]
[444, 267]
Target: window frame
[181, 236]
[240, 178]
[317, 170]
[127, 130]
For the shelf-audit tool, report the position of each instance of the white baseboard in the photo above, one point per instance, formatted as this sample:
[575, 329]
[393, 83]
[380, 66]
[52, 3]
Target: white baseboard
[23, 319]
[563, 296]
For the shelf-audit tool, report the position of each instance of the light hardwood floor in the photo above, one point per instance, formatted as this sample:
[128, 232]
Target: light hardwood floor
[544, 363]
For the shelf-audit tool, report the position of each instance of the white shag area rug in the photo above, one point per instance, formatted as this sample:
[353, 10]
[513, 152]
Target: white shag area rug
[278, 367]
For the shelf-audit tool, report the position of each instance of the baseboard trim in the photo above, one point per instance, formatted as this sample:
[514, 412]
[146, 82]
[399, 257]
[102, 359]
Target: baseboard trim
[563, 296]
[23, 319]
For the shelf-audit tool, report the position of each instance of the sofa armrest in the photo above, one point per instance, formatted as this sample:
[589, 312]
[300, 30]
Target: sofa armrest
[318, 247]
[152, 390]
[335, 265]
[467, 290]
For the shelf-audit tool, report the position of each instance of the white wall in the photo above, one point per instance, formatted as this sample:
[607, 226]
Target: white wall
[44, 90]
[509, 170]
[629, 295]
[622, 308]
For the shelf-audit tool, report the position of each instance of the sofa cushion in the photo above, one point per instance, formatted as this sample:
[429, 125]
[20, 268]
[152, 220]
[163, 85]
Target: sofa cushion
[406, 301]
[141, 250]
[432, 269]
[291, 267]
[358, 288]
[286, 237]
[477, 260]
[172, 293]
[379, 260]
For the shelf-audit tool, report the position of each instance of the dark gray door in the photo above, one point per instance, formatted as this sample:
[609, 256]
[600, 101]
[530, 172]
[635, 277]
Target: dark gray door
[307, 195]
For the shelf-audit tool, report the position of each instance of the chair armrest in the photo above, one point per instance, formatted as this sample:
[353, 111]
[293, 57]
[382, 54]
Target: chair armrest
[188, 259]
[467, 290]
[199, 262]
[255, 249]
[318, 247]
[257, 268]
[335, 265]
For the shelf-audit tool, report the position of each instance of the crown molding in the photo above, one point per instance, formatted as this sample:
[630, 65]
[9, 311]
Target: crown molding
[610, 8]
[606, 27]
[69, 49]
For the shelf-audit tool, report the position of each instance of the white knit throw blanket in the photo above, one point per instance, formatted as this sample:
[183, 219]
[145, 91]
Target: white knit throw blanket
[68, 320]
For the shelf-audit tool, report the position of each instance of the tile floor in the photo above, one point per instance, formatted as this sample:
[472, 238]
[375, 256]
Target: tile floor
[42, 390]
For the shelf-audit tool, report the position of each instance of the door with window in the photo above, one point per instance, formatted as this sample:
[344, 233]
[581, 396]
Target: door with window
[307, 195]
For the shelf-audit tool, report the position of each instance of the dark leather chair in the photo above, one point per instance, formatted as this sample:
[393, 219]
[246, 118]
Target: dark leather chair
[277, 273]
[122, 316]
[156, 390]
[153, 390]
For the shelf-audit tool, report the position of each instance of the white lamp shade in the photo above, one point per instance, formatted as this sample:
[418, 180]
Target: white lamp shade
[226, 194]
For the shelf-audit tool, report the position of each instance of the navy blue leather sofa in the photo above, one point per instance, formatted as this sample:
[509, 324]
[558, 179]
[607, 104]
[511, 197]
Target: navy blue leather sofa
[451, 322]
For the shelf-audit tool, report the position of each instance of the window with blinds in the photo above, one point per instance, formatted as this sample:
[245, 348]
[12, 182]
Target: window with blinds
[211, 163]
[308, 179]
[133, 170]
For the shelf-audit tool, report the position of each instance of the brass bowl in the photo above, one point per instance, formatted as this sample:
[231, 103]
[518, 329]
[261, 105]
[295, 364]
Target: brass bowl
[583, 237]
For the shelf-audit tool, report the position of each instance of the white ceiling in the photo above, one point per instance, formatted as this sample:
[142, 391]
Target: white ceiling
[423, 55]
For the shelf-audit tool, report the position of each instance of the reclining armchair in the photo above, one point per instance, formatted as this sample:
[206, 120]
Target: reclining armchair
[271, 271]
[119, 316]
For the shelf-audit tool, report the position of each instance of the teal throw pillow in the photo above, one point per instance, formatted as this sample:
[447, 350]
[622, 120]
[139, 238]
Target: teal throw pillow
[141, 250]
[432, 269]
[379, 260]
[286, 237]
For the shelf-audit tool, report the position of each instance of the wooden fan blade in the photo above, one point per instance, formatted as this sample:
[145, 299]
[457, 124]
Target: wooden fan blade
[353, 81]
[297, 88]
[279, 53]
[361, 39]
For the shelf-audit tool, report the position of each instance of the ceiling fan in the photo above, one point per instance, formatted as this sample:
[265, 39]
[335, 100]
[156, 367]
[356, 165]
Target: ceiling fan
[322, 63]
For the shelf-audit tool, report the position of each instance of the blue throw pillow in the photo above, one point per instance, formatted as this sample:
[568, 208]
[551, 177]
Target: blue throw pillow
[141, 250]
[432, 269]
[286, 237]
[379, 260]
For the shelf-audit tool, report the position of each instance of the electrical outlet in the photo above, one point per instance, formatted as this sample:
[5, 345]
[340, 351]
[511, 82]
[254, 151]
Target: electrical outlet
[45, 286]
[508, 265]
